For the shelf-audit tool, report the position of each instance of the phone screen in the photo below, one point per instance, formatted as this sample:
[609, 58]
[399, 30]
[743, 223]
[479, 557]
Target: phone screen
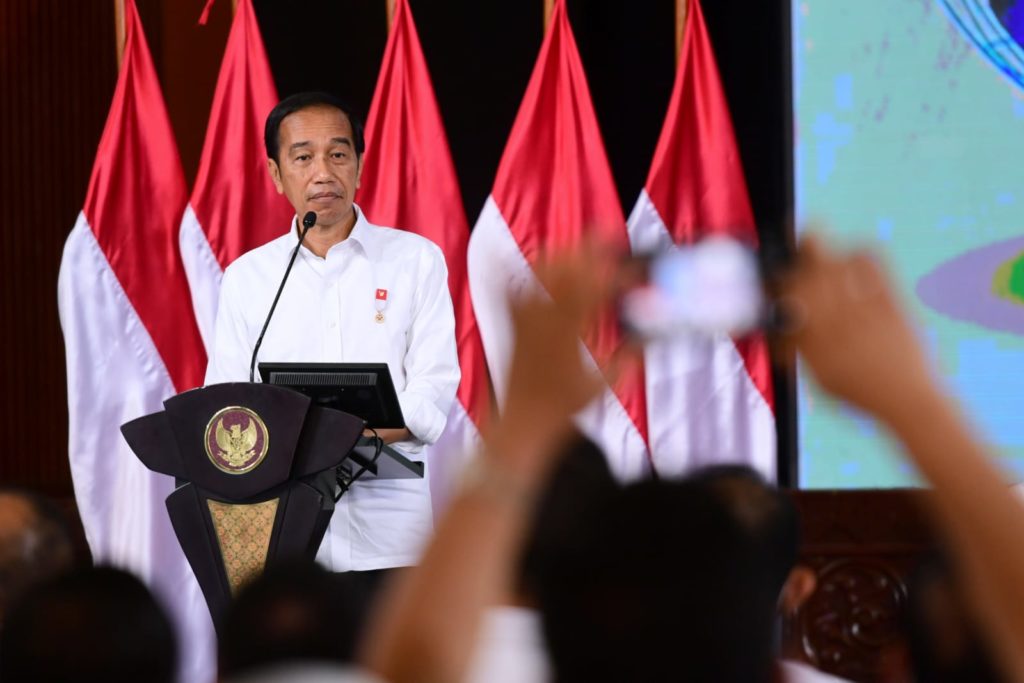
[713, 287]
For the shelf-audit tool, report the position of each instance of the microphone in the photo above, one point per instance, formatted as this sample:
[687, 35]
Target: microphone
[308, 221]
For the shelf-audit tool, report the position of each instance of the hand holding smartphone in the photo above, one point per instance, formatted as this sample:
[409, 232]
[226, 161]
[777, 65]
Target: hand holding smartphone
[713, 287]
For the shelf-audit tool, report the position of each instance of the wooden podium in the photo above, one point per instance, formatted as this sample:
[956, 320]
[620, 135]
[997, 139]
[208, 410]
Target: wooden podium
[256, 467]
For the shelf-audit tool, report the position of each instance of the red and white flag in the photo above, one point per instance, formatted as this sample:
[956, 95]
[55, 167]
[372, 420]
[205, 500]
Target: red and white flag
[234, 206]
[554, 190]
[409, 182]
[710, 399]
[130, 336]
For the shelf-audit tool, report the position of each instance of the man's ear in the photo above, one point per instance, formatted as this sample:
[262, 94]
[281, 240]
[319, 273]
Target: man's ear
[359, 170]
[799, 587]
[275, 175]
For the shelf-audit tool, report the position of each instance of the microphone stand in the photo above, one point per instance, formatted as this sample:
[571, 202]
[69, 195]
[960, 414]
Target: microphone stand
[308, 221]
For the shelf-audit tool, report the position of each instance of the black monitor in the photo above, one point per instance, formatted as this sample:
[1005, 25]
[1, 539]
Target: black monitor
[362, 389]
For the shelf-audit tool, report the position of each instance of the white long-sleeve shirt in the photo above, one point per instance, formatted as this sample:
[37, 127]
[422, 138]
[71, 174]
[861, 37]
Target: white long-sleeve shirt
[328, 312]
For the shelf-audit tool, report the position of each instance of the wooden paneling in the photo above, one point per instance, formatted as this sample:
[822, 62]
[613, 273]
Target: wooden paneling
[863, 545]
[187, 57]
[56, 79]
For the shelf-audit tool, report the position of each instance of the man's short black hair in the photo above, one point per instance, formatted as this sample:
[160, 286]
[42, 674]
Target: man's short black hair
[944, 641]
[663, 583]
[580, 484]
[305, 100]
[92, 624]
[765, 512]
[295, 611]
[34, 547]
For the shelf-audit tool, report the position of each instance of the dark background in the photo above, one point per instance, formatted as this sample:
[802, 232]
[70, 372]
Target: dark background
[57, 75]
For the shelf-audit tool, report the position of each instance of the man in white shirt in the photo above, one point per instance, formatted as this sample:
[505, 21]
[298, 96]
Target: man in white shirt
[357, 293]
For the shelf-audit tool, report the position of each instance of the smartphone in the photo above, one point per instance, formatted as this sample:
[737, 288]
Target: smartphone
[712, 287]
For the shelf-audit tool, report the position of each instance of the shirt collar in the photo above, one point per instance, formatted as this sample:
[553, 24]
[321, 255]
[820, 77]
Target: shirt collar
[363, 233]
[366, 234]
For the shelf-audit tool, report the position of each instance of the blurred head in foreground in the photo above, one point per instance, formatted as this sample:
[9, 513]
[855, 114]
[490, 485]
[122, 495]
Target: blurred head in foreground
[664, 579]
[944, 643]
[34, 544]
[771, 519]
[93, 625]
[580, 484]
[297, 612]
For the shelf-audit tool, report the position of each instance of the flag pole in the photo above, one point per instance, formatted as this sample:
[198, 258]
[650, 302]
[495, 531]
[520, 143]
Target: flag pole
[680, 26]
[390, 5]
[119, 32]
[549, 6]
[205, 16]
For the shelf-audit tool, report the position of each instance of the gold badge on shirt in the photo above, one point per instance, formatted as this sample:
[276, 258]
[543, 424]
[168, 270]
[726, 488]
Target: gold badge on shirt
[380, 303]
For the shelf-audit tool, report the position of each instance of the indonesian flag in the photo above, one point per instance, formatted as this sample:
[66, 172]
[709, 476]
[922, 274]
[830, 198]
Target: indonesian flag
[710, 399]
[409, 182]
[130, 335]
[234, 205]
[553, 190]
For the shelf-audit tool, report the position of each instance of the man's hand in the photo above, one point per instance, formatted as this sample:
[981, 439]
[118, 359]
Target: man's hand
[427, 622]
[390, 436]
[849, 328]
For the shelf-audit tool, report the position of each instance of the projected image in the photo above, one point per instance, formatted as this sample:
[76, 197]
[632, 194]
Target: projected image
[910, 135]
[996, 28]
[983, 286]
[986, 285]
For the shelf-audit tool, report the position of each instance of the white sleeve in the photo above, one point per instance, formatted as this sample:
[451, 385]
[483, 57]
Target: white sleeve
[232, 343]
[431, 360]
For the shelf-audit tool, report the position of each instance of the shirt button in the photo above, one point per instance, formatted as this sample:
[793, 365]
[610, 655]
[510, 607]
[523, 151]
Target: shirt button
[333, 324]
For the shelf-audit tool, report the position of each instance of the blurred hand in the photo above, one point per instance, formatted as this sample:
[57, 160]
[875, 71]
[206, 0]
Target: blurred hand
[427, 622]
[849, 328]
[548, 381]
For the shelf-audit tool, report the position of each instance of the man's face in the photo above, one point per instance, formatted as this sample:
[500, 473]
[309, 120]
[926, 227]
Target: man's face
[318, 170]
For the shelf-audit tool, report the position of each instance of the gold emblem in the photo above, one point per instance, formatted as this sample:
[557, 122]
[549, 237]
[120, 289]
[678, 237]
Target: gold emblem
[236, 440]
[379, 317]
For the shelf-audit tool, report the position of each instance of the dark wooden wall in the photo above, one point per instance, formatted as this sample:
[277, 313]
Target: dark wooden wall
[56, 78]
[864, 546]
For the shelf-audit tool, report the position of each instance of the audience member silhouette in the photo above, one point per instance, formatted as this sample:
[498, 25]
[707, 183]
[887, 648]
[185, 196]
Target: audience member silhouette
[664, 581]
[94, 625]
[944, 644]
[34, 544]
[511, 647]
[295, 612]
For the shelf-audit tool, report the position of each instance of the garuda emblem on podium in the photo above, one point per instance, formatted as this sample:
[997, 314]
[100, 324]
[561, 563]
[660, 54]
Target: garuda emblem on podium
[236, 440]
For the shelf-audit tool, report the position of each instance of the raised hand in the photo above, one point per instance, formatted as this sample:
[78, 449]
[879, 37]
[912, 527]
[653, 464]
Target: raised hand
[848, 326]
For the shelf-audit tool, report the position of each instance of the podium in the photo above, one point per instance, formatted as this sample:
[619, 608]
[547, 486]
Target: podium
[257, 467]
